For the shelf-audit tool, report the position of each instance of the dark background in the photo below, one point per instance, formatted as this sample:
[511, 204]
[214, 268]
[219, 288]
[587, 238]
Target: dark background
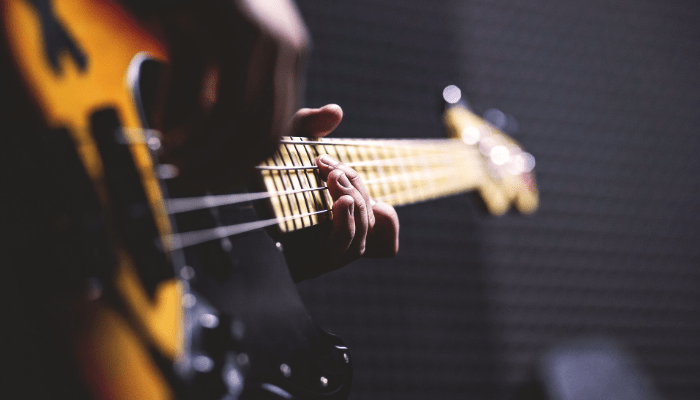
[607, 97]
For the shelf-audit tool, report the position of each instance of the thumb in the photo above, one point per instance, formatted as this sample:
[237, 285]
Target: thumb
[316, 122]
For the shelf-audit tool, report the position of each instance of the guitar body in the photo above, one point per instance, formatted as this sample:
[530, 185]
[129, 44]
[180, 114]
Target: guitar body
[105, 304]
[73, 58]
[99, 307]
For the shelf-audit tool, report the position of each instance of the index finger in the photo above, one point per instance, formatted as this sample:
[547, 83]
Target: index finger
[327, 164]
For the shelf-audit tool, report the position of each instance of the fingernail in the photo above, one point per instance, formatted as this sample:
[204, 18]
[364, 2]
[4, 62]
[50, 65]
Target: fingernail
[344, 181]
[372, 201]
[328, 160]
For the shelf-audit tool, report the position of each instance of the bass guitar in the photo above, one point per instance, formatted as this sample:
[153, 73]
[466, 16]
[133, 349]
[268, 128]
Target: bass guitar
[111, 301]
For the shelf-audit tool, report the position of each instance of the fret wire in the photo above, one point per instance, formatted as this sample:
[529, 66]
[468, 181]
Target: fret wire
[367, 153]
[329, 198]
[304, 179]
[348, 152]
[301, 202]
[321, 199]
[310, 179]
[376, 173]
[417, 186]
[290, 209]
[408, 185]
[278, 204]
[428, 170]
[291, 183]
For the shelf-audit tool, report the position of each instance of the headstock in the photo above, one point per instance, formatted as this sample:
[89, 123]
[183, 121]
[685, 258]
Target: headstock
[508, 170]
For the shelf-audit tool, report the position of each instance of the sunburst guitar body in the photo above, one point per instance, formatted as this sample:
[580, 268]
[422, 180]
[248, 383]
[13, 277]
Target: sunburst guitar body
[74, 58]
[91, 254]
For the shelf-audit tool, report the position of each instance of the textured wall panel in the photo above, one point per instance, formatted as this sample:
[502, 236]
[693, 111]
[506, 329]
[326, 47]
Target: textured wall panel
[606, 95]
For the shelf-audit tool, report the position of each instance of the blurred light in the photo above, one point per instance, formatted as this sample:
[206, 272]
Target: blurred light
[226, 245]
[153, 143]
[167, 171]
[451, 94]
[286, 370]
[188, 300]
[521, 163]
[497, 118]
[470, 135]
[486, 145]
[203, 364]
[242, 359]
[499, 155]
[529, 162]
[234, 378]
[187, 272]
[210, 321]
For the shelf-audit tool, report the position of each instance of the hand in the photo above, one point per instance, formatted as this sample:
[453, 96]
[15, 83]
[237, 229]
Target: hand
[362, 226]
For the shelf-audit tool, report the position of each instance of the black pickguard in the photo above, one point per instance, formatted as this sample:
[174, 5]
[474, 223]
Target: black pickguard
[262, 329]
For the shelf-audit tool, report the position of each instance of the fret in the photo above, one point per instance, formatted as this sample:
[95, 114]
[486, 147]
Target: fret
[297, 199]
[341, 153]
[303, 183]
[333, 152]
[425, 179]
[288, 184]
[395, 171]
[309, 179]
[406, 181]
[281, 205]
[322, 198]
[365, 171]
[387, 170]
[378, 173]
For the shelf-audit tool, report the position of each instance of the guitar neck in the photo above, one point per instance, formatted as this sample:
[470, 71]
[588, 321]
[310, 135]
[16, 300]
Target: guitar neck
[397, 172]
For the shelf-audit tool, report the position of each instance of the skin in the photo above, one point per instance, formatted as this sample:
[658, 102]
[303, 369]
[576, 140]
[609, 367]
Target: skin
[214, 77]
[362, 226]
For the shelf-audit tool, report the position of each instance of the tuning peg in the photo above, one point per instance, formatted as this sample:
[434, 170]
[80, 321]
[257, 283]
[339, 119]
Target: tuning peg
[452, 95]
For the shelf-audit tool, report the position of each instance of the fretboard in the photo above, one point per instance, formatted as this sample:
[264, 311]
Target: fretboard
[403, 171]
[394, 171]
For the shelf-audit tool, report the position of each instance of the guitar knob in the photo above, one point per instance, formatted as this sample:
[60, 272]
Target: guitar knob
[212, 365]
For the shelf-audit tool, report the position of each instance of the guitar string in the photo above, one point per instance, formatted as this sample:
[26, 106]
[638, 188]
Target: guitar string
[187, 239]
[425, 144]
[178, 241]
[179, 205]
[412, 161]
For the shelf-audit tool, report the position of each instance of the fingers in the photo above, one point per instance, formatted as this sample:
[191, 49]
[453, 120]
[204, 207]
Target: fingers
[316, 122]
[343, 227]
[383, 236]
[347, 200]
[328, 164]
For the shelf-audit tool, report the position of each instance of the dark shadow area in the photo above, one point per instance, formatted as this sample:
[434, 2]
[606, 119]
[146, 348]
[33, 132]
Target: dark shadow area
[418, 324]
[606, 96]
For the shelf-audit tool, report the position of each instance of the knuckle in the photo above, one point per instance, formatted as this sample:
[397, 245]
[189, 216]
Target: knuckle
[360, 204]
[335, 175]
[350, 172]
